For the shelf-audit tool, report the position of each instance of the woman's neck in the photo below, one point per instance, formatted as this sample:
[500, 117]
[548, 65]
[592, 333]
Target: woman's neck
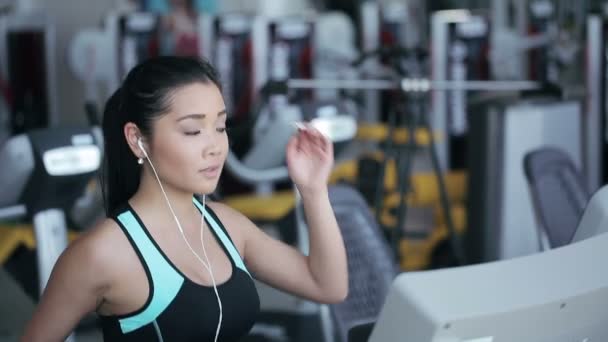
[150, 197]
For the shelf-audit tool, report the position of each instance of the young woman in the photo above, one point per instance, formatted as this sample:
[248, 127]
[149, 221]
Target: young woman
[155, 270]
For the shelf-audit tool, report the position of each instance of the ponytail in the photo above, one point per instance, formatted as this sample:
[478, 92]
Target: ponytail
[120, 172]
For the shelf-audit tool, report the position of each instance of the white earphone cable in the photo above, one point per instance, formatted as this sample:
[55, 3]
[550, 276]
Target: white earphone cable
[179, 226]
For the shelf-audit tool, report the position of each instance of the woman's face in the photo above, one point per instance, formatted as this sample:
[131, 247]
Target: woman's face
[189, 144]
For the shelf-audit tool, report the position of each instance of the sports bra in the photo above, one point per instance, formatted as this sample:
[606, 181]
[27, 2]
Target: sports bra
[178, 309]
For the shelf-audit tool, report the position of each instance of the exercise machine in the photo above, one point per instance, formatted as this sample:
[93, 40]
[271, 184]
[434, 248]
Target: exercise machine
[502, 222]
[558, 295]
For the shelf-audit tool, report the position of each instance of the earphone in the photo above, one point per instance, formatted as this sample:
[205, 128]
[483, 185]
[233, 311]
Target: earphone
[141, 147]
[179, 226]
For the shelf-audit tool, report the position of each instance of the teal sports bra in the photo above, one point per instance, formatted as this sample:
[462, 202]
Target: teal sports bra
[178, 309]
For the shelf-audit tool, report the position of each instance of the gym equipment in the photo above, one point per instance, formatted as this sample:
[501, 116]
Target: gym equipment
[418, 247]
[558, 295]
[595, 128]
[334, 50]
[232, 51]
[5, 130]
[371, 265]
[594, 219]
[137, 39]
[290, 53]
[519, 28]
[500, 213]
[559, 195]
[413, 85]
[539, 40]
[388, 25]
[16, 308]
[522, 40]
[28, 65]
[284, 47]
[417, 86]
[126, 38]
[460, 40]
[44, 172]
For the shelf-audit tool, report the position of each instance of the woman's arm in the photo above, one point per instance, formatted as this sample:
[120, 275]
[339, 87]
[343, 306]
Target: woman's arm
[310, 159]
[323, 275]
[327, 257]
[319, 277]
[75, 288]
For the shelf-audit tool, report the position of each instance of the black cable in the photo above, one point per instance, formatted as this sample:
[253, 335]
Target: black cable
[455, 243]
[405, 169]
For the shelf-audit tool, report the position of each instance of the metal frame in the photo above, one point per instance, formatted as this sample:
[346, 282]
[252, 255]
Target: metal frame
[112, 30]
[261, 40]
[440, 22]
[500, 23]
[13, 212]
[115, 42]
[50, 228]
[205, 35]
[595, 106]
[412, 35]
[412, 84]
[369, 13]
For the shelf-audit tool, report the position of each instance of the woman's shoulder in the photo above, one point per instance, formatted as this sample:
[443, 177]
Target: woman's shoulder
[220, 209]
[104, 232]
[236, 224]
[92, 258]
[228, 215]
[102, 246]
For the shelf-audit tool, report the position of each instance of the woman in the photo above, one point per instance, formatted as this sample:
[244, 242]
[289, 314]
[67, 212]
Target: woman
[154, 270]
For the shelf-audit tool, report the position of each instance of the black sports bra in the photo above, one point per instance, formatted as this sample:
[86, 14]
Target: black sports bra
[178, 309]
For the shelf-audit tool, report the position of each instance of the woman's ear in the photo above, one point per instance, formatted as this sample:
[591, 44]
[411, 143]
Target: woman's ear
[132, 135]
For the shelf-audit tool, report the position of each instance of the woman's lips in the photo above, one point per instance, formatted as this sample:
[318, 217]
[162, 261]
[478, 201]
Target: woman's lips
[211, 172]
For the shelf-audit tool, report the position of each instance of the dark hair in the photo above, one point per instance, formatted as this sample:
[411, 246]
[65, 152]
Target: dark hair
[143, 97]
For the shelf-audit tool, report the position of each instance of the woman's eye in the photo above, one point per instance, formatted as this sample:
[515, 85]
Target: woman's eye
[221, 129]
[192, 133]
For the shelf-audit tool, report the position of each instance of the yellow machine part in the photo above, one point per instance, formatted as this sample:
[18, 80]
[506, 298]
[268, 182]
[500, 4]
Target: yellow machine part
[415, 254]
[425, 189]
[13, 236]
[379, 132]
[263, 208]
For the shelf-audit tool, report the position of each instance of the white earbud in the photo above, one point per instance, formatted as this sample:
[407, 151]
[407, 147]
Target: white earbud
[141, 147]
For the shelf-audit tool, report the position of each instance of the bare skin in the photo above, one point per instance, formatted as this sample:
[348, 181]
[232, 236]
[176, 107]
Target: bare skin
[101, 272]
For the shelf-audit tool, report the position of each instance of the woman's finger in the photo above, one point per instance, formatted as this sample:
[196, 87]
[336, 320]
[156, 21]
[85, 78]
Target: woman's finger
[315, 135]
[324, 141]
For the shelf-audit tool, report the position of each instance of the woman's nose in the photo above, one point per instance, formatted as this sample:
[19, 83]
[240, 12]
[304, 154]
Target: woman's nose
[212, 145]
